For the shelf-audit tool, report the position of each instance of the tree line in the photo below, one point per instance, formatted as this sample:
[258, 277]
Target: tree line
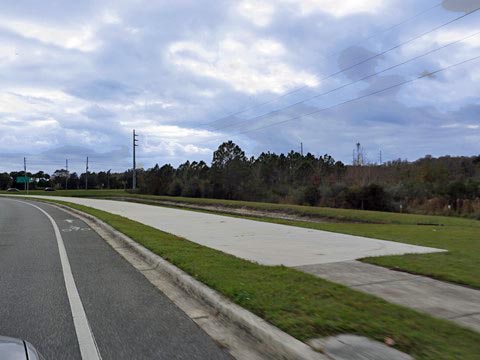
[444, 185]
[61, 179]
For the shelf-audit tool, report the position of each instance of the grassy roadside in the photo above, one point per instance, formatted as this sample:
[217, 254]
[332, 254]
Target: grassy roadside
[336, 214]
[300, 304]
[461, 237]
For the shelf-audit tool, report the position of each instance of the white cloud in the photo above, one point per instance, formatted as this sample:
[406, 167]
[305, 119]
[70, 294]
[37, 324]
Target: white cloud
[174, 132]
[446, 36]
[154, 102]
[260, 13]
[36, 130]
[450, 126]
[37, 100]
[337, 8]
[12, 103]
[174, 140]
[456, 52]
[42, 123]
[43, 93]
[132, 30]
[173, 148]
[8, 52]
[475, 76]
[111, 18]
[80, 38]
[269, 48]
[459, 125]
[249, 64]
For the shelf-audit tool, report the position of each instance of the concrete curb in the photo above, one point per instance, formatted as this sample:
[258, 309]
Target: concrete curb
[271, 341]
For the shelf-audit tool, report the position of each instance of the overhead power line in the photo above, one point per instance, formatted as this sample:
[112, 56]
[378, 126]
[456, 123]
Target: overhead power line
[423, 75]
[376, 55]
[326, 57]
[244, 121]
[428, 74]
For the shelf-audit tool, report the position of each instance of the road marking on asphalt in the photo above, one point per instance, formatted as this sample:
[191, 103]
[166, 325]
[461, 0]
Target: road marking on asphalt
[69, 221]
[75, 228]
[86, 341]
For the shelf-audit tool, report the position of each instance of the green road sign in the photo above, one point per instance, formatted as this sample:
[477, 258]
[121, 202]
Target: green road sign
[22, 179]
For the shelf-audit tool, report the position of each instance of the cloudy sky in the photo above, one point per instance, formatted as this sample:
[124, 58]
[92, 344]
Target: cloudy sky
[77, 76]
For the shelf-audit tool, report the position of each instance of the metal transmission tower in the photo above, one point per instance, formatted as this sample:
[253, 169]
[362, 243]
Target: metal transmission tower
[358, 155]
[86, 175]
[134, 179]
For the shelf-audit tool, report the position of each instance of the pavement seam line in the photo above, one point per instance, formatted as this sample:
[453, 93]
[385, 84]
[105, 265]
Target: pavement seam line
[465, 315]
[384, 282]
[86, 340]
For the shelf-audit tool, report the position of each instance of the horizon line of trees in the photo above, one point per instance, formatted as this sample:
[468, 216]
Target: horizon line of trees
[444, 185]
[61, 178]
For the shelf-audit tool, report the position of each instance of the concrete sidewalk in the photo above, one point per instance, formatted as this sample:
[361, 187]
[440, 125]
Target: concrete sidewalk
[453, 302]
[265, 243]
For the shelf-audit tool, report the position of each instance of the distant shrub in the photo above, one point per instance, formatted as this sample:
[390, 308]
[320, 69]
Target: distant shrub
[311, 195]
[435, 206]
[370, 197]
[192, 189]
[175, 189]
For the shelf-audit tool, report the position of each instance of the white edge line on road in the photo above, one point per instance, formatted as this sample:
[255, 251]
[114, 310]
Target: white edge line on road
[86, 341]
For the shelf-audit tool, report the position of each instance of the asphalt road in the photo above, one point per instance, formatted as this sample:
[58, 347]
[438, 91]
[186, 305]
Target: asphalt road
[128, 317]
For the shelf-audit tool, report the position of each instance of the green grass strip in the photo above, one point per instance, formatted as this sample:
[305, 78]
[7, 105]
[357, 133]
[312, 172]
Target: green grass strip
[461, 237]
[301, 304]
[308, 211]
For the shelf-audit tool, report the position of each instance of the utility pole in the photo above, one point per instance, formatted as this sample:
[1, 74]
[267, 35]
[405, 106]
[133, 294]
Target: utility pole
[134, 179]
[86, 175]
[380, 157]
[66, 175]
[25, 171]
[301, 149]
